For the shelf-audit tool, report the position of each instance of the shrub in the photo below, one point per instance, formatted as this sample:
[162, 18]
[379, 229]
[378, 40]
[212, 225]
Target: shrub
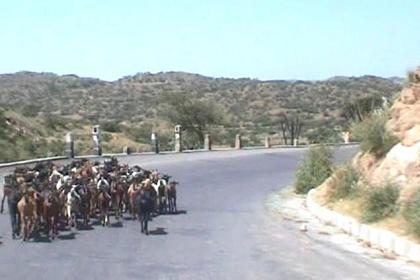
[56, 147]
[30, 147]
[361, 107]
[373, 135]
[166, 141]
[140, 134]
[315, 169]
[413, 78]
[251, 141]
[106, 137]
[111, 126]
[322, 134]
[381, 202]
[411, 213]
[30, 111]
[345, 182]
[7, 152]
[54, 122]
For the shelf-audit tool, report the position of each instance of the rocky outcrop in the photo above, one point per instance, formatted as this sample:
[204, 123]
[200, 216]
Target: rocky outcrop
[405, 114]
[401, 165]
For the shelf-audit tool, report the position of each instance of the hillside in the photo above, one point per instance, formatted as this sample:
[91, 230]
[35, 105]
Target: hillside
[135, 98]
[251, 106]
[28, 136]
[382, 183]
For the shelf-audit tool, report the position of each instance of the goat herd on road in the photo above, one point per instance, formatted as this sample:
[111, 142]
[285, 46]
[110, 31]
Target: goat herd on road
[47, 197]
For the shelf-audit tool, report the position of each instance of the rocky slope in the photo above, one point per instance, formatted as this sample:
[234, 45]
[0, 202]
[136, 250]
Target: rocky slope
[401, 164]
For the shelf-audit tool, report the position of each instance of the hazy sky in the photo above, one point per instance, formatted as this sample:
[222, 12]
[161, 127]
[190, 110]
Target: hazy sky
[277, 39]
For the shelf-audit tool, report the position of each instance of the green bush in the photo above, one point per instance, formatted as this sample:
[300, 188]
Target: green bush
[413, 78]
[54, 122]
[31, 110]
[323, 134]
[315, 169]
[140, 134]
[345, 182]
[190, 141]
[54, 148]
[166, 141]
[3, 125]
[373, 135]
[7, 152]
[111, 126]
[106, 137]
[411, 213]
[381, 202]
[252, 141]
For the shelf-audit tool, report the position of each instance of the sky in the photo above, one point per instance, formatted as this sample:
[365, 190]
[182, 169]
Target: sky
[263, 39]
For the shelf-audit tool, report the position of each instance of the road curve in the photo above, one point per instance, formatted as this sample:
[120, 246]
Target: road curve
[223, 233]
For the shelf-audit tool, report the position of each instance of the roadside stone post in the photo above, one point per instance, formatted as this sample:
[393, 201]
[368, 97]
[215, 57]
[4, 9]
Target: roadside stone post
[207, 142]
[295, 142]
[96, 138]
[178, 139]
[69, 146]
[155, 142]
[267, 142]
[238, 142]
[126, 150]
[346, 136]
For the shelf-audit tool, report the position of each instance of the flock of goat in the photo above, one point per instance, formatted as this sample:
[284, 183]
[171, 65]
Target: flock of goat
[47, 196]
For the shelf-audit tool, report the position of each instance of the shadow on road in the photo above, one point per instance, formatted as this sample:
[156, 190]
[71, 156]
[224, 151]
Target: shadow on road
[179, 212]
[63, 227]
[96, 223]
[158, 231]
[118, 224]
[69, 236]
[41, 239]
[85, 227]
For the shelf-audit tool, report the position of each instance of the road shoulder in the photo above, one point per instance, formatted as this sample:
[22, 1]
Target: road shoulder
[286, 206]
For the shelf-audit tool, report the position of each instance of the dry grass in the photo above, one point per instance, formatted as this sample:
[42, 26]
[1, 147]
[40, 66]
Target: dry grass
[348, 207]
[354, 208]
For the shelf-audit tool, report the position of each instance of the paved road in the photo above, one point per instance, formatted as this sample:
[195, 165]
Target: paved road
[226, 231]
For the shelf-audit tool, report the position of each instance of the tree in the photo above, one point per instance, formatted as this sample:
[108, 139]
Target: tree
[111, 126]
[361, 107]
[290, 128]
[194, 115]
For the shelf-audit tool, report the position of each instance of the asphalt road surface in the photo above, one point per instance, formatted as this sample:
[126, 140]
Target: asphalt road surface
[224, 231]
